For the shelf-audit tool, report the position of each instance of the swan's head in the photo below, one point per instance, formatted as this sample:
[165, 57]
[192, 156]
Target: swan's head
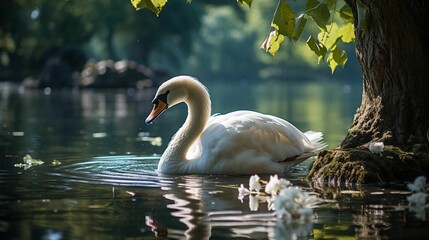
[172, 92]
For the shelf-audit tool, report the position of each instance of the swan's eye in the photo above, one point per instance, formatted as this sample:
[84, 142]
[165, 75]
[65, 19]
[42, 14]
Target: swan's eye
[163, 97]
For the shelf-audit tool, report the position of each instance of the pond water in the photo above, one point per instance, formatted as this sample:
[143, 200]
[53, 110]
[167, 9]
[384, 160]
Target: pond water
[98, 180]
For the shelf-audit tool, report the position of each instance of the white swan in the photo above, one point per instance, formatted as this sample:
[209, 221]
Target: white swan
[241, 142]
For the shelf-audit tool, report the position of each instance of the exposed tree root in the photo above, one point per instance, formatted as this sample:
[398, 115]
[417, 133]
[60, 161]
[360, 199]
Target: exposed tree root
[360, 166]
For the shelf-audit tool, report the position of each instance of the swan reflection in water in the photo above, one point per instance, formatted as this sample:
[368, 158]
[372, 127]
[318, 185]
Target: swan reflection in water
[193, 206]
[198, 210]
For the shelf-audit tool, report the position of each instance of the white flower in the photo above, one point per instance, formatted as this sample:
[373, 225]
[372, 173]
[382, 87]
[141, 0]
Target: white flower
[275, 185]
[376, 147]
[270, 202]
[419, 184]
[285, 201]
[242, 191]
[294, 204]
[254, 183]
[253, 202]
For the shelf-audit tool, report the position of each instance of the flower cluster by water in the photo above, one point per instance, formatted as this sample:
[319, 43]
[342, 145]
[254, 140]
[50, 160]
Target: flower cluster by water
[289, 203]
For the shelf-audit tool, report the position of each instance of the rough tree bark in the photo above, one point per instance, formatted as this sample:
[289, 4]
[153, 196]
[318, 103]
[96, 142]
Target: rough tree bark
[393, 50]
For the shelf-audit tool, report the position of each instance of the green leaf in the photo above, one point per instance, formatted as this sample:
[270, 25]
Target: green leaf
[362, 15]
[272, 42]
[346, 14]
[284, 26]
[284, 19]
[330, 37]
[335, 33]
[317, 47]
[340, 56]
[319, 12]
[154, 5]
[245, 2]
[300, 24]
[331, 4]
[347, 32]
[336, 57]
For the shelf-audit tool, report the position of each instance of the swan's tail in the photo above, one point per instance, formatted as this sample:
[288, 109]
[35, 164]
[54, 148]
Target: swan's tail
[316, 141]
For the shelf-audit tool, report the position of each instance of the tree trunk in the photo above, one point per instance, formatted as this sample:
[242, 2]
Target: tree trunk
[393, 50]
[394, 54]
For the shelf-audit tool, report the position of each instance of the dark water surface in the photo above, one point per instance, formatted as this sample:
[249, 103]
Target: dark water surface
[106, 186]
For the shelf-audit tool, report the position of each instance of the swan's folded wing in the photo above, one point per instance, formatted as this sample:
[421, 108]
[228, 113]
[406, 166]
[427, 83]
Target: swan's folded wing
[260, 134]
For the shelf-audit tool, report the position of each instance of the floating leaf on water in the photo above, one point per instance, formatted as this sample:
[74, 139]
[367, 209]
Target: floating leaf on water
[29, 162]
[55, 162]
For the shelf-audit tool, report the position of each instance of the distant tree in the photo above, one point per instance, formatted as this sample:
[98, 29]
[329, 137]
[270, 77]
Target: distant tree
[31, 31]
[391, 39]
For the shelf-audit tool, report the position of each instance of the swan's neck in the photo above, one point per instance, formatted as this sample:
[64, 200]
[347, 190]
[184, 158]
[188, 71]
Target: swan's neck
[199, 110]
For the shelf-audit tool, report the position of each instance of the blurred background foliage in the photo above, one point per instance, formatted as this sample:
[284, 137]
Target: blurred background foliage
[214, 39]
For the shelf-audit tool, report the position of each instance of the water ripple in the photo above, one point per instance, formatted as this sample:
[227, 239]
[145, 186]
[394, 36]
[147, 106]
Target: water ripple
[121, 170]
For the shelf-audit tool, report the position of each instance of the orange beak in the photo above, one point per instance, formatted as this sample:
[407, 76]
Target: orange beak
[158, 107]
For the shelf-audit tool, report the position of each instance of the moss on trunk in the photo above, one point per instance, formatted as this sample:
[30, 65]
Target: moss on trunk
[360, 166]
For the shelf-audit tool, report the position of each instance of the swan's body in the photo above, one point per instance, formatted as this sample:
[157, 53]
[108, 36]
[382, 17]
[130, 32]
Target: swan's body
[241, 142]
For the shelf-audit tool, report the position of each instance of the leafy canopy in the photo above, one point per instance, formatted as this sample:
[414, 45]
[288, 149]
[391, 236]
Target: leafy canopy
[330, 23]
